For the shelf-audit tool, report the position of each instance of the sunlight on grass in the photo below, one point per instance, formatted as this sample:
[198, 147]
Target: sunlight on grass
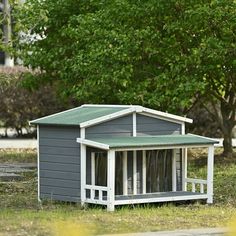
[232, 228]
[69, 228]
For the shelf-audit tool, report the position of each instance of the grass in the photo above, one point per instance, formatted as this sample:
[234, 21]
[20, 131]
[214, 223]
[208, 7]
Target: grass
[22, 215]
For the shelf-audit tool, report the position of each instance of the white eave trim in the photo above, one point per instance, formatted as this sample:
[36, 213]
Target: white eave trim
[92, 143]
[107, 117]
[167, 115]
[211, 139]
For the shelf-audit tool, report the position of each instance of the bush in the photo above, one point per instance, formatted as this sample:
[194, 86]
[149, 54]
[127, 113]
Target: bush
[19, 104]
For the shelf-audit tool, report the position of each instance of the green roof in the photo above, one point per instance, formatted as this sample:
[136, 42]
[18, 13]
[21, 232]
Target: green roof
[77, 115]
[155, 141]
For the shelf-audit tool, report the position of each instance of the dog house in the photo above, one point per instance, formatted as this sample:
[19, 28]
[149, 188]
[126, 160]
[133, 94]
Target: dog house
[115, 155]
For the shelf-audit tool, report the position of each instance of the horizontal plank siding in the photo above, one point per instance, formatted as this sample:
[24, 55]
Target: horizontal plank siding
[75, 192]
[59, 167]
[67, 151]
[60, 197]
[154, 126]
[122, 126]
[60, 183]
[59, 175]
[59, 159]
[59, 156]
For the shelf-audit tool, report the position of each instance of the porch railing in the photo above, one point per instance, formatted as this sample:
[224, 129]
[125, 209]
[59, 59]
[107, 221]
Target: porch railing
[198, 185]
[96, 194]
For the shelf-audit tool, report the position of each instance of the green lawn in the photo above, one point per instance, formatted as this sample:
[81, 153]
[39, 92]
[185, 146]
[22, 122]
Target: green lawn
[21, 215]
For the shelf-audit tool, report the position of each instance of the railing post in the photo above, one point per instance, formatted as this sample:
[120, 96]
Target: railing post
[184, 168]
[125, 175]
[210, 171]
[111, 180]
[174, 170]
[83, 172]
[144, 172]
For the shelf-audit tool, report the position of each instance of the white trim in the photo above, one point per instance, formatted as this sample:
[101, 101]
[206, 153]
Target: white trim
[183, 128]
[144, 171]
[55, 114]
[196, 181]
[111, 180]
[158, 147]
[161, 199]
[107, 117]
[92, 143]
[174, 170]
[160, 118]
[184, 168]
[134, 172]
[210, 170]
[109, 105]
[38, 163]
[93, 168]
[134, 124]
[211, 139]
[82, 167]
[167, 115]
[125, 174]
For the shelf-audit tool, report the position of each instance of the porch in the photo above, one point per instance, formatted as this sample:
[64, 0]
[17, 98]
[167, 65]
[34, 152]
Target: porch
[147, 184]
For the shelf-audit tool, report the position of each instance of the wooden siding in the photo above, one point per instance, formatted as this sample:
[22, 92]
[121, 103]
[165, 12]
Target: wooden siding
[122, 126]
[154, 126]
[59, 163]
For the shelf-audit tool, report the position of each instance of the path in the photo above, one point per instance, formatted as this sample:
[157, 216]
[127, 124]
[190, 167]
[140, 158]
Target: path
[188, 232]
[13, 172]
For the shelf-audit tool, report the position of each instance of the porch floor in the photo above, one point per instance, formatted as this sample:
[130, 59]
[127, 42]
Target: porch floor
[159, 197]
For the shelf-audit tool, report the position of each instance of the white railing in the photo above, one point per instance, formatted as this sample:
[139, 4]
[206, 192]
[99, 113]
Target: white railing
[195, 183]
[96, 194]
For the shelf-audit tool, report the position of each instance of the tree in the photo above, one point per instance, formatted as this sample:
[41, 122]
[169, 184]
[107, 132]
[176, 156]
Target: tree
[162, 54]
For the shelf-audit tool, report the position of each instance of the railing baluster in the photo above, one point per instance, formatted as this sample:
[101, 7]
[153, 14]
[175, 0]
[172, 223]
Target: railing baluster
[193, 187]
[100, 195]
[201, 188]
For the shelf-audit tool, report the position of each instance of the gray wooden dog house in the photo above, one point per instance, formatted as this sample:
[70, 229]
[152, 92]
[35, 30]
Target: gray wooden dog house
[115, 155]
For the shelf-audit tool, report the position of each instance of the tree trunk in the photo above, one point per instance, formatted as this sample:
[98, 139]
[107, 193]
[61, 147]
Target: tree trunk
[227, 142]
[228, 122]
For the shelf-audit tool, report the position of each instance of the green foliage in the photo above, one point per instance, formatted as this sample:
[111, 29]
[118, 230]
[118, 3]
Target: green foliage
[158, 54]
[20, 104]
[162, 54]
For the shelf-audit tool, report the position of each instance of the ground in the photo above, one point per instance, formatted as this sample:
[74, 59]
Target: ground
[22, 215]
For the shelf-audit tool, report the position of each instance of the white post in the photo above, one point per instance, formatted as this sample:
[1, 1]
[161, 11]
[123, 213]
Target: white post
[82, 167]
[38, 164]
[184, 168]
[92, 174]
[210, 171]
[174, 170]
[134, 124]
[144, 172]
[111, 180]
[125, 174]
[134, 172]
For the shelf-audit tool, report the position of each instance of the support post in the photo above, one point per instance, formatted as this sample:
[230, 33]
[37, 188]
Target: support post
[92, 174]
[38, 164]
[144, 172]
[134, 172]
[82, 168]
[174, 170]
[111, 180]
[184, 168]
[210, 171]
[125, 174]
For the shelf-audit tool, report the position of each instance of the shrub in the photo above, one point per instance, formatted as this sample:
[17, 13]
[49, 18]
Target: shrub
[20, 104]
